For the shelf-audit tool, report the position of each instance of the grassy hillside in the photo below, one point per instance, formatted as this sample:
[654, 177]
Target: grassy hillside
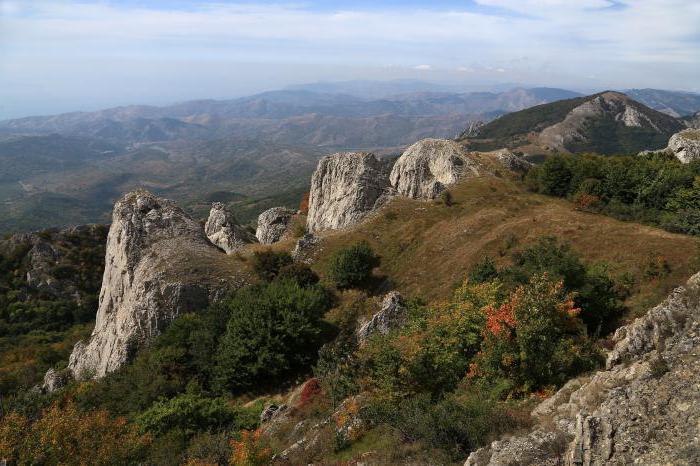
[427, 249]
[427, 393]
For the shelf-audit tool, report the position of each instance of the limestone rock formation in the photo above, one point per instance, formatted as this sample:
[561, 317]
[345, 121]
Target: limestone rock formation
[158, 264]
[272, 224]
[345, 188]
[428, 166]
[223, 230]
[685, 145]
[511, 161]
[392, 315]
[643, 409]
[54, 380]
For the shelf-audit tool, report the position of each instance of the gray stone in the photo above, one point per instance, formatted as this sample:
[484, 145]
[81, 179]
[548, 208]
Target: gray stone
[55, 380]
[391, 315]
[158, 264]
[223, 230]
[345, 188]
[630, 413]
[273, 224]
[685, 145]
[427, 167]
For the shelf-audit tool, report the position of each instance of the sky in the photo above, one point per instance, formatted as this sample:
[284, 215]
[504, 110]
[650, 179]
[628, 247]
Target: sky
[58, 56]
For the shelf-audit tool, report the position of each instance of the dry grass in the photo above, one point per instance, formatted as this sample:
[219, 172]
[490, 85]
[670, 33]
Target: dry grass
[427, 248]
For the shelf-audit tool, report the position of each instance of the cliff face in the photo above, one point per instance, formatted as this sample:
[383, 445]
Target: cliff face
[344, 188]
[158, 264]
[428, 166]
[643, 409]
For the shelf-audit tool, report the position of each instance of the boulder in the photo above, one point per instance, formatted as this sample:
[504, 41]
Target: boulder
[512, 162]
[345, 188]
[391, 315]
[685, 145]
[158, 264]
[223, 230]
[55, 380]
[643, 409]
[428, 166]
[273, 224]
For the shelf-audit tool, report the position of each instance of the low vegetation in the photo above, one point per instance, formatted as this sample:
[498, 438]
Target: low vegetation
[509, 294]
[656, 188]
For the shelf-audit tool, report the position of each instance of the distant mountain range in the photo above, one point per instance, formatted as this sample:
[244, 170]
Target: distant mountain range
[674, 103]
[69, 168]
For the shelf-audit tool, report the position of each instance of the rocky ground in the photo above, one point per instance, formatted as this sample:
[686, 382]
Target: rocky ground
[643, 409]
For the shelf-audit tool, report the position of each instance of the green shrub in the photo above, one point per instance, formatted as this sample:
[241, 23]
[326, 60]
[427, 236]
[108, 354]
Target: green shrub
[483, 271]
[189, 413]
[352, 266]
[267, 264]
[300, 273]
[454, 425]
[274, 330]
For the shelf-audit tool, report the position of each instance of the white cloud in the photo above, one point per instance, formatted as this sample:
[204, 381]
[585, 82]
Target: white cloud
[642, 43]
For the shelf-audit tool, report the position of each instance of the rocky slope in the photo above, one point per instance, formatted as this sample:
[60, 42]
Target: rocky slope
[345, 188]
[606, 123]
[643, 409]
[158, 264]
[428, 166]
[223, 230]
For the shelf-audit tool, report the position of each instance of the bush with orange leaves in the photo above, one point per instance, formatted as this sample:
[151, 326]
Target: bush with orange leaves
[535, 339]
[65, 435]
[250, 450]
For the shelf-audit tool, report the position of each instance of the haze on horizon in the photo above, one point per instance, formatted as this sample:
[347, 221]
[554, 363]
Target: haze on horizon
[58, 56]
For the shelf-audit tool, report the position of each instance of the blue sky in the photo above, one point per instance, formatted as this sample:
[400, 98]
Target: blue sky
[62, 55]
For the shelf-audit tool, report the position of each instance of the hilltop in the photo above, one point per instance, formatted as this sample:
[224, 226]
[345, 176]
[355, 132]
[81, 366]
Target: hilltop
[605, 123]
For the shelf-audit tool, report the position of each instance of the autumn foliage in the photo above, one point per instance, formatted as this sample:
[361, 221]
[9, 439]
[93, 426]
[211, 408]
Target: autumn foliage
[250, 450]
[64, 435]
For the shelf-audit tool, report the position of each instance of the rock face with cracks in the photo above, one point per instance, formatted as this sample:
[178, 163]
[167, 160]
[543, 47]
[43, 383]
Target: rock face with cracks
[223, 230]
[428, 166]
[158, 264]
[643, 409]
[345, 188]
[273, 224]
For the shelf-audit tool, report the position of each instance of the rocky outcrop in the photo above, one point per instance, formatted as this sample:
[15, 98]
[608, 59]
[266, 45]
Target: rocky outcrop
[472, 130]
[55, 380]
[512, 162]
[223, 230]
[428, 166]
[273, 224]
[345, 188]
[158, 264]
[643, 409]
[391, 316]
[304, 246]
[610, 107]
[685, 145]
[48, 261]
